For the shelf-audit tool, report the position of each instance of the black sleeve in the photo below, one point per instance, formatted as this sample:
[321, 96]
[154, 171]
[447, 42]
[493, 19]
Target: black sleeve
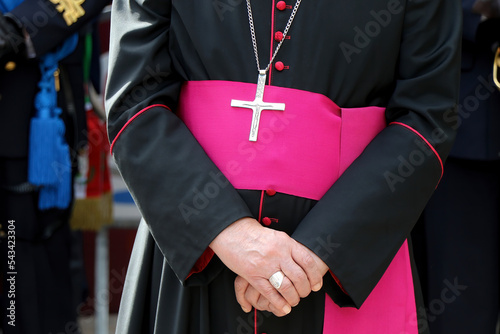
[371, 209]
[183, 197]
[50, 22]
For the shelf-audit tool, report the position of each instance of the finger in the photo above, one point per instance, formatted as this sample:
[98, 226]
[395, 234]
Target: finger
[240, 287]
[264, 305]
[275, 311]
[252, 296]
[297, 276]
[289, 292]
[303, 258]
[270, 293]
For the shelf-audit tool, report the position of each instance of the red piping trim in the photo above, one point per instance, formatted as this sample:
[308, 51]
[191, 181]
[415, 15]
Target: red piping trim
[260, 218]
[130, 121]
[261, 204]
[255, 321]
[425, 140]
[272, 40]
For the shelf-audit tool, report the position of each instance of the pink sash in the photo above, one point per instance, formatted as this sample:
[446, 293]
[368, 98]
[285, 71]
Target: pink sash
[300, 151]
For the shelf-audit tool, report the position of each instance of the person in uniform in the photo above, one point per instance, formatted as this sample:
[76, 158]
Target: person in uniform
[457, 238]
[280, 154]
[35, 242]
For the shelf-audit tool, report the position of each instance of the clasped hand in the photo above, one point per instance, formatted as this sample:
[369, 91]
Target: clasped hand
[255, 253]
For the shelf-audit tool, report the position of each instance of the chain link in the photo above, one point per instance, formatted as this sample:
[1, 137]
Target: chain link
[254, 39]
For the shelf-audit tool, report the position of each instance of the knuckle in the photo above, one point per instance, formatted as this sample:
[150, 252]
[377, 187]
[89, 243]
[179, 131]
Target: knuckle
[308, 261]
[263, 305]
[269, 291]
[291, 296]
[281, 236]
[248, 296]
[301, 276]
[259, 262]
[300, 281]
[286, 287]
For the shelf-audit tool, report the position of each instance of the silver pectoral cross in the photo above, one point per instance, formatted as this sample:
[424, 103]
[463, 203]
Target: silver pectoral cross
[257, 105]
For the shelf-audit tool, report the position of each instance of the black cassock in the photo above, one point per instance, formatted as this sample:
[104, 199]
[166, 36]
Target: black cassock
[399, 55]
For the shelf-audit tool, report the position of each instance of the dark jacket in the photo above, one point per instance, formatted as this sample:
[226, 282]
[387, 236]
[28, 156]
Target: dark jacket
[478, 118]
[47, 28]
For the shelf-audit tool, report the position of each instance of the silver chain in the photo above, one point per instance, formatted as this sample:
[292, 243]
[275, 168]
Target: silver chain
[254, 39]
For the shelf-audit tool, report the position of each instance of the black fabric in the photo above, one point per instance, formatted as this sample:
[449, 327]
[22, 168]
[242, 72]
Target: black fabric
[47, 26]
[370, 211]
[42, 249]
[459, 235]
[210, 308]
[477, 120]
[421, 316]
[11, 40]
[17, 108]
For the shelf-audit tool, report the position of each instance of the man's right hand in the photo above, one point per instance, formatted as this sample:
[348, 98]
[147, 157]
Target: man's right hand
[255, 253]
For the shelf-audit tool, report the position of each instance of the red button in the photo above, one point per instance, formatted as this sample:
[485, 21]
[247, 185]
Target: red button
[266, 221]
[281, 5]
[279, 66]
[271, 192]
[278, 36]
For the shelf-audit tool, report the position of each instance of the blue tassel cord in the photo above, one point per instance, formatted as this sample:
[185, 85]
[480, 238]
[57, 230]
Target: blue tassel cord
[49, 164]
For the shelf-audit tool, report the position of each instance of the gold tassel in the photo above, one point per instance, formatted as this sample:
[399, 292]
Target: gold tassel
[92, 213]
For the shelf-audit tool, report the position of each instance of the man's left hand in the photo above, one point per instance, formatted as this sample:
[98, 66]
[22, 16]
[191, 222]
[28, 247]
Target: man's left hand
[248, 297]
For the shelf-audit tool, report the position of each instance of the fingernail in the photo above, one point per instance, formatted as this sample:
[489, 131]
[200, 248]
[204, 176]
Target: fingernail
[287, 309]
[245, 309]
[317, 287]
